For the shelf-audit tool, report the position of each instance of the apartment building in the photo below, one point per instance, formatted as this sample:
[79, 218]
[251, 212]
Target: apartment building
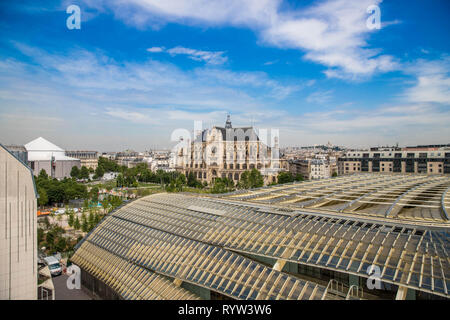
[89, 159]
[433, 159]
[310, 169]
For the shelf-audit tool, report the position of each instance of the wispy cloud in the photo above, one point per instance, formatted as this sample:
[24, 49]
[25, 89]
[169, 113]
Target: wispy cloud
[209, 57]
[269, 63]
[432, 83]
[155, 49]
[90, 90]
[320, 97]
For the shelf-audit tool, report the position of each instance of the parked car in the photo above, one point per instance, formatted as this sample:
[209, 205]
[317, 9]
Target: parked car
[54, 265]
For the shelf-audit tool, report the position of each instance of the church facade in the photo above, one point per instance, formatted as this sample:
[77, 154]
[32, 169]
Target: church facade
[226, 152]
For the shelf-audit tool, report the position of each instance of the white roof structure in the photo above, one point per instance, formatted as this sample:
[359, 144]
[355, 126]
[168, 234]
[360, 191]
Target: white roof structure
[41, 149]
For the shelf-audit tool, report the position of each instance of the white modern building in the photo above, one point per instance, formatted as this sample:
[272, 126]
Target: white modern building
[43, 154]
[18, 247]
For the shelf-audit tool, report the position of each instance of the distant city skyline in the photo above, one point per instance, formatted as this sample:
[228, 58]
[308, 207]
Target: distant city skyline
[135, 72]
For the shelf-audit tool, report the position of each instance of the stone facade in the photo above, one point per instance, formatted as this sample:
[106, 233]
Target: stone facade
[226, 152]
[18, 219]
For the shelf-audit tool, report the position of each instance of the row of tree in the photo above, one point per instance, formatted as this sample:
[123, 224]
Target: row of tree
[53, 238]
[86, 224]
[286, 177]
[58, 191]
[84, 172]
[104, 165]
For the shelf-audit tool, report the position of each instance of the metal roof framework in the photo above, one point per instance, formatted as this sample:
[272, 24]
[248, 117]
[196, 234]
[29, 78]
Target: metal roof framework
[162, 253]
[128, 279]
[397, 196]
[200, 239]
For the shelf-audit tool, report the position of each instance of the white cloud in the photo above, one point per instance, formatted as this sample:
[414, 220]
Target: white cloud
[108, 100]
[320, 97]
[432, 81]
[155, 49]
[210, 57]
[330, 32]
[269, 63]
[133, 116]
[406, 124]
[214, 12]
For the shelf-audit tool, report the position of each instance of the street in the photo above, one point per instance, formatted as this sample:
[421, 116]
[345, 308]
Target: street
[64, 293]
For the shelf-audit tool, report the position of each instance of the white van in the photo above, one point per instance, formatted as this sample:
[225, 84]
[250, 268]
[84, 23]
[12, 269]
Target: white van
[54, 265]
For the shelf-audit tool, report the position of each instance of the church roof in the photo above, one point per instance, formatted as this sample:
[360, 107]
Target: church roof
[230, 134]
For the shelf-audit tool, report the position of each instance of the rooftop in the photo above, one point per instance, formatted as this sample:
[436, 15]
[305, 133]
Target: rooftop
[209, 241]
[387, 197]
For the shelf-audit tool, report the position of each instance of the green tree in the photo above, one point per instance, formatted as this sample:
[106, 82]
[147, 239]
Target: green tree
[285, 177]
[299, 177]
[91, 220]
[94, 194]
[105, 204]
[193, 182]
[40, 235]
[46, 222]
[335, 174]
[56, 192]
[99, 172]
[171, 187]
[115, 202]
[84, 223]
[120, 181]
[251, 179]
[75, 172]
[97, 218]
[256, 179]
[43, 175]
[108, 165]
[180, 182]
[222, 185]
[71, 219]
[43, 198]
[60, 244]
[77, 224]
[84, 173]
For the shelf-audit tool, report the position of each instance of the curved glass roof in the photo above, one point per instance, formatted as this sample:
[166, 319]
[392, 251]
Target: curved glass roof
[207, 240]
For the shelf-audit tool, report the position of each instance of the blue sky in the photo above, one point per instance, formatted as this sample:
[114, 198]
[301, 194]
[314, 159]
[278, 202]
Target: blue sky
[135, 72]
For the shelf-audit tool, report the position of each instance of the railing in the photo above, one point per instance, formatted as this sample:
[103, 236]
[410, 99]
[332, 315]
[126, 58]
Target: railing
[334, 287]
[355, 292]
